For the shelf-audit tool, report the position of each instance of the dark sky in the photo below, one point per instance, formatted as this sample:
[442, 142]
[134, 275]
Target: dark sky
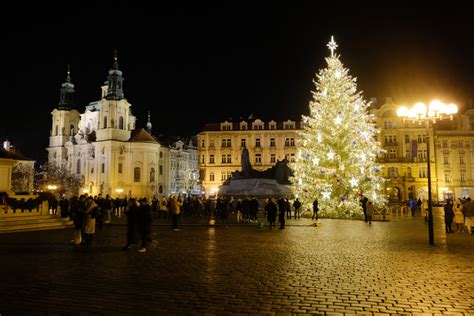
[191, 65]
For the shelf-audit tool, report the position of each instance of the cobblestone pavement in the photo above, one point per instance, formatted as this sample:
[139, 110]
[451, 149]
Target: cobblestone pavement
[342, 267]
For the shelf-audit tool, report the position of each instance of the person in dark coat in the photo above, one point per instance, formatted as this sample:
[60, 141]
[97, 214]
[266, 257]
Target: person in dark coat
[448, 215]
[363, 204]
[132, 216]
[253, 209]
[315, 210]
[297, 206]
[288, 209]
[79, 212]
[144, 223]
[271, 210]
[281, 212]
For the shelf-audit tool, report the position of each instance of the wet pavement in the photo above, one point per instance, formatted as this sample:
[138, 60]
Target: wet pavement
[341, 267]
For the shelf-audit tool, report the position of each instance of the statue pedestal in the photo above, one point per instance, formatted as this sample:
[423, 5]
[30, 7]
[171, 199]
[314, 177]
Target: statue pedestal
[258, 187]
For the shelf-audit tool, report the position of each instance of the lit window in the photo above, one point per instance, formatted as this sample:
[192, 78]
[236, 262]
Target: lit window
[272, 158]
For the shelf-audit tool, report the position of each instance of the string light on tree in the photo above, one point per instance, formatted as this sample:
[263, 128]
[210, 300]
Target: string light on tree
[354, 182]
[339, 137]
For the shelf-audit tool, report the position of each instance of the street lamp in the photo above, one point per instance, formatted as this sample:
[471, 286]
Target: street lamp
[422, 113]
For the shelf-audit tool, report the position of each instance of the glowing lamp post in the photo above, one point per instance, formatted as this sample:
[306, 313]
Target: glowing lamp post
[422, 113]
[52, 187]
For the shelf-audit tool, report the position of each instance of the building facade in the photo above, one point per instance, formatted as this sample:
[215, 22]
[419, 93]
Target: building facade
[220, 148]
[103, 145]
[405, 158]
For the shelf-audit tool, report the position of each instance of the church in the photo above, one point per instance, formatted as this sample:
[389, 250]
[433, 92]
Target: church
[112, 156]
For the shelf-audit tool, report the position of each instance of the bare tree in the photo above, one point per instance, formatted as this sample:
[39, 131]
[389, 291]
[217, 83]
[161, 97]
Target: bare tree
[66, 182]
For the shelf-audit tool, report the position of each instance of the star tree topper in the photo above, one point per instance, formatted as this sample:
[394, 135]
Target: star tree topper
[332, 45]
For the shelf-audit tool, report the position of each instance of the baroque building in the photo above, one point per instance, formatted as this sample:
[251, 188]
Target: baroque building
[220, 147]
[103, 145]
[405, 157]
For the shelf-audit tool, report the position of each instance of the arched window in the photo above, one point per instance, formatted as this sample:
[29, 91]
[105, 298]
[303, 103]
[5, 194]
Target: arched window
[56, 132]
[136, 174]
[120, 167]
[160, 189]
[152, 175]
[121, 122]
[78, 166]
[105, 121]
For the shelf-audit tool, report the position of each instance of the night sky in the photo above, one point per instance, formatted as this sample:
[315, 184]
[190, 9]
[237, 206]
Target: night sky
[193, 65]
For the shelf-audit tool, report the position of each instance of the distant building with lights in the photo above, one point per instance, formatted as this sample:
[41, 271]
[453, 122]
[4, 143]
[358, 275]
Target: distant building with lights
[405, 160]
[16, 171]
[220, 148]
[103, 145]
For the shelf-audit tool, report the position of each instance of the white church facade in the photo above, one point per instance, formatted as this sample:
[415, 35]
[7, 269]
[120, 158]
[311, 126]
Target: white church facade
[105, 148]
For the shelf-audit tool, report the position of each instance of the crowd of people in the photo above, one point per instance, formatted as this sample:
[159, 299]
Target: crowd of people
[89, 212]
[461, 212]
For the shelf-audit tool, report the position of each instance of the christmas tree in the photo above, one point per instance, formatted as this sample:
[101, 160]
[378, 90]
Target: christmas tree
[336, 161]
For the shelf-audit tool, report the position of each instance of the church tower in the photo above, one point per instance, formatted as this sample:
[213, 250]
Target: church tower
[66, 96]
[115, 81]
[65, 121]
[115, 119]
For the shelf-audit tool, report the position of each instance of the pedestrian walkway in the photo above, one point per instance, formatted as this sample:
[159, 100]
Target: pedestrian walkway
[343, 266]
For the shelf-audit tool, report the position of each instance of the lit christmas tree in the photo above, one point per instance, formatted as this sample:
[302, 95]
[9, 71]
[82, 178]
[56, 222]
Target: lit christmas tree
[337, 147]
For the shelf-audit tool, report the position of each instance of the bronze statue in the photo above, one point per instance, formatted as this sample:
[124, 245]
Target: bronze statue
[280, 171]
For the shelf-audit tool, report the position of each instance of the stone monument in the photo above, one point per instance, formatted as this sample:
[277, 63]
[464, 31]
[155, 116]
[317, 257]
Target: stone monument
[272, 182]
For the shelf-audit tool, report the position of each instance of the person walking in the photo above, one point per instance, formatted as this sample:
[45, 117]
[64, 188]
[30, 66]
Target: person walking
[468, 209]
[271, 210]
[412, 205]
[448, 215]
[297, 206]
[91, 216]
[363, 204]
[424, 210]
[131, 213]
[458, 216]
[281, 212]
[370, 211]
[107, 205]
[238, 208]
[78, 212]
[163, 207]
[176, 205]
[288, 209]
[144, 223]
[315, 210]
